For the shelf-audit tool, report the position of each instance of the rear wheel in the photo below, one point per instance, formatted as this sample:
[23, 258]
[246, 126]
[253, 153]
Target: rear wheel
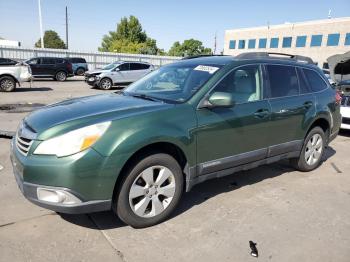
[7, 84]
[106, 84]
[61, 76]
[312, 151]
[80, 71]
[150, 191]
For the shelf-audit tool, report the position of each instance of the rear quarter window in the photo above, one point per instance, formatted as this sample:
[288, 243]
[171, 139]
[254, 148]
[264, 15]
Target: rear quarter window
[315, 81]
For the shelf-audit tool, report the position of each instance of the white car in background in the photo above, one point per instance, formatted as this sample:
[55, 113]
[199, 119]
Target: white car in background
[344, 88]
[13, 74]
[118, 73]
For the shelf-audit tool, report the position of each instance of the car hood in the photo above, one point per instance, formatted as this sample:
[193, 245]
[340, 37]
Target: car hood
[90, 110]
[96, 71]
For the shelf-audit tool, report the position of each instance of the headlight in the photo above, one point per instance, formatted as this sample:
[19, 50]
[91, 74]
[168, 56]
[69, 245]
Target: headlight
[73, 141]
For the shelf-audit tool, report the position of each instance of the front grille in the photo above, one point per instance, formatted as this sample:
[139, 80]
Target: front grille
[345, 101]
[346, 120]
[23, 145]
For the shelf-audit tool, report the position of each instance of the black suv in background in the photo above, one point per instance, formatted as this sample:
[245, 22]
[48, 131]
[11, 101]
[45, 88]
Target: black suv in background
[51, 67]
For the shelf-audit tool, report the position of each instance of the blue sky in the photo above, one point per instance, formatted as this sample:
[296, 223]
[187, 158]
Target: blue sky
[166, 21]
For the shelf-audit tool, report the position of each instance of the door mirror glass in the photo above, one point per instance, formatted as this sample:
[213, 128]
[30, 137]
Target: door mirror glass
[220, 99]
[117, 69]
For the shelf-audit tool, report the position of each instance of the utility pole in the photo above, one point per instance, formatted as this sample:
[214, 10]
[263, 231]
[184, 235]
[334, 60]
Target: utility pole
[214, 52]
[66, 27]
[41, 26]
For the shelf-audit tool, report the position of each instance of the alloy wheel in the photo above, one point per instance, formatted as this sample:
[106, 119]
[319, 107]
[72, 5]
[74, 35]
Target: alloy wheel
[313, 150]
[7, 84]
[106, 84]
[152, 191]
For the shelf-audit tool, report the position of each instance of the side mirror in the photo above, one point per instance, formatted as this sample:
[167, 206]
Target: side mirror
[220, 99]
[117, 69]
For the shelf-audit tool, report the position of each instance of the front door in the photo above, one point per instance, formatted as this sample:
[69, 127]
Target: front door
[228, 137]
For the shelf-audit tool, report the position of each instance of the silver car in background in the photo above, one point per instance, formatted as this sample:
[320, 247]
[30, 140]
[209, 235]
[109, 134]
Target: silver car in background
[117, 73]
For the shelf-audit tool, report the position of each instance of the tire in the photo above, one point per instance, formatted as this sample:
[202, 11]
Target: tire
[61, 76]
[106, 84]
[7, 84]
[312, 151]
[80, 71]
[141, 204]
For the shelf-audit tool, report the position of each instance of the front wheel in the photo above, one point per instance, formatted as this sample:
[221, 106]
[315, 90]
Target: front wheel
[106, 83]
[312, 151]
[150, 191]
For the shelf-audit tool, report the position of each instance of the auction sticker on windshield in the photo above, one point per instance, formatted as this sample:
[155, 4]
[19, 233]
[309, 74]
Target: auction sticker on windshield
[209, 69]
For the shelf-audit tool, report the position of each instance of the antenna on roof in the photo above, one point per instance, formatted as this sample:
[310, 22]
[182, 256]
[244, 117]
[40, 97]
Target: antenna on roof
[329, 13]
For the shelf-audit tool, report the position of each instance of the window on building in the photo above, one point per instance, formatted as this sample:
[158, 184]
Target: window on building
[347, 39]
[262, 42]
[301, 41]
[274, 42]
[283, 81]
[241, 44]
[232, 44]
[333, 39]
[287, 42]
[316, 40]
[251, 43]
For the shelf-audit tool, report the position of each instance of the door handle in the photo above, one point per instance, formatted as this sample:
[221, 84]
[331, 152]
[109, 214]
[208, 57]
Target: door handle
[262, 113]
[308, 104]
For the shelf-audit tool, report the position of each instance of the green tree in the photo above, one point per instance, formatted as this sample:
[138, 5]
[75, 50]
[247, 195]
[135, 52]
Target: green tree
[51, 40]
[129, 37]
[189, 47]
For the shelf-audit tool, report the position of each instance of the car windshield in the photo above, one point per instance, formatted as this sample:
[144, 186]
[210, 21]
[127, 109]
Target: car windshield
[110, 66]
[173, 83]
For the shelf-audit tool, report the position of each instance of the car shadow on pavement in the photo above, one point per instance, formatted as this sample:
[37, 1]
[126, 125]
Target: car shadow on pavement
[344, 132]
[33, 89]
[199, 194]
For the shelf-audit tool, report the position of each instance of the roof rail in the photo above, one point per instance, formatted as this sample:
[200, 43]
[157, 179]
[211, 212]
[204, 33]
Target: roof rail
[254, 55]
[198, 56]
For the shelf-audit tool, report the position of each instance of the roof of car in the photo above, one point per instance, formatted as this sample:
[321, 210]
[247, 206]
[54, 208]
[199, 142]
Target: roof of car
[208, 60]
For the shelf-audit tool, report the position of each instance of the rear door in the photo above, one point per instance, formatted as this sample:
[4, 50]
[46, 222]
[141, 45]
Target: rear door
[291, 104]
[228, 137]
[138, 70]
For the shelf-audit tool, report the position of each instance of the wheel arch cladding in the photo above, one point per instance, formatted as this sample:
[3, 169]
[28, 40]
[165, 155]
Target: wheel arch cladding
[11, 76]
[321, 122]
[158, 147]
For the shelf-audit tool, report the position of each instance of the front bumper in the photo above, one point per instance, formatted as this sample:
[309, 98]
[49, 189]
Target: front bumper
[92, 81]
[30, 189]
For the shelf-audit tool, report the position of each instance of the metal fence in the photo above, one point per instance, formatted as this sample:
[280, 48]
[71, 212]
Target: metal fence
[94, 59]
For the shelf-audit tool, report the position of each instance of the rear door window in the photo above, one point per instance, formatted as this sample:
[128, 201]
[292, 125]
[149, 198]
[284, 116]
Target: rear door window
[138, 66]
[283, 81]
[315, 81]
[304, 87]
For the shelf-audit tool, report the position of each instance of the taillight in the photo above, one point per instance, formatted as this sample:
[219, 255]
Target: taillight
[70, 66]
[338, 97]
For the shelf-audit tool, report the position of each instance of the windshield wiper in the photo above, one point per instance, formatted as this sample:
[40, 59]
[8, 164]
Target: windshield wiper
[145, 97]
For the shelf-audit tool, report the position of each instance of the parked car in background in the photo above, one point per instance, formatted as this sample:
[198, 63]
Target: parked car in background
[7, 61]
[79, 65]
[136, 151]
[51, 67]
[118, 73]
[11, 75]
[344, 88]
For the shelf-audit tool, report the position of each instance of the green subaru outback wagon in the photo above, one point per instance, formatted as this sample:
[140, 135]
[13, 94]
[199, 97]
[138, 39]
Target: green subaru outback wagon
[137, 151]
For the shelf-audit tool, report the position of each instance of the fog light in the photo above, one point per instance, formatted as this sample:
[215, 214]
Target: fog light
[57, 196]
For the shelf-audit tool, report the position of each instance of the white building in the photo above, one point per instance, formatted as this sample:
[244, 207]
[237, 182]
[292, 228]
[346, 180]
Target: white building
[4, 42]
[318, 39]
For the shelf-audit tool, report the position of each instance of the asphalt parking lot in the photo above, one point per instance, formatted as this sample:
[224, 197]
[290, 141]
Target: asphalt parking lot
[292, 216]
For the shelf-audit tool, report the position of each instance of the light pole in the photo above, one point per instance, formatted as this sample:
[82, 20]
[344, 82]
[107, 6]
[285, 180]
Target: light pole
[41, 26]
